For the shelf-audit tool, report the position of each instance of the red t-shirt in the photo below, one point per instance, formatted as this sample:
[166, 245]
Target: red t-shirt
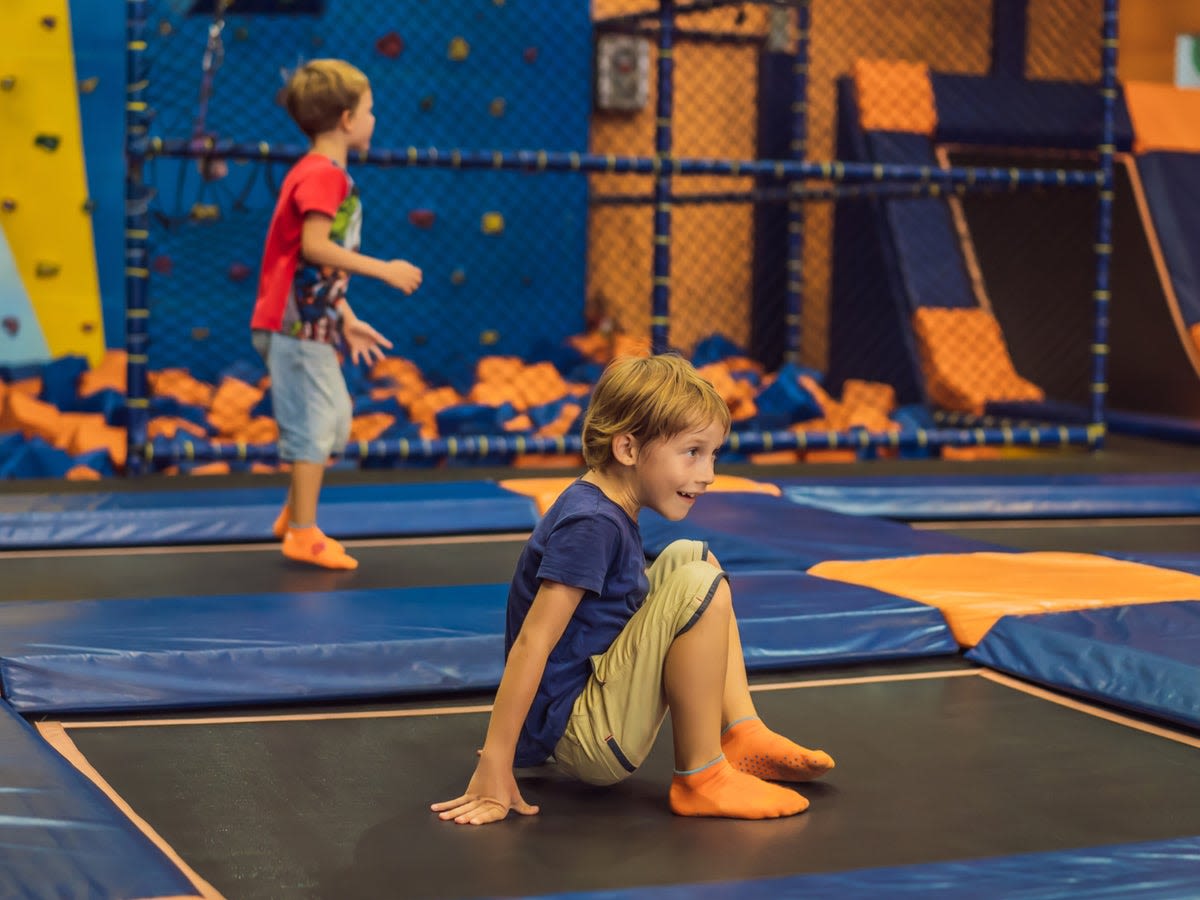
[296, 298]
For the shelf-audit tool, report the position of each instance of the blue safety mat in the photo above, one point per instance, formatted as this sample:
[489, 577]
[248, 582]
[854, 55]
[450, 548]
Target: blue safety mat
[1157, 870]
[179, 652]
[758, 532]
[140, 518]
[61, 837]
[1001, 496]
[1144, 657]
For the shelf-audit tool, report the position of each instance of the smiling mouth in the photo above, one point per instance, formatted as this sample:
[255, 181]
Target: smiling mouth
[686, 495]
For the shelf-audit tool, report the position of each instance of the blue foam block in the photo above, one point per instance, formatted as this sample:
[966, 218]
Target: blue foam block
[1158, 870]
[1001, 496]
[750, 532]
[194, 516]
[1145, 657]
[179, 652]
[60, 837]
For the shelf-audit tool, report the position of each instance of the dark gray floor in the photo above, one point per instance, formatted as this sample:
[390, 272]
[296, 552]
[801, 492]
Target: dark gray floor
[930, 770]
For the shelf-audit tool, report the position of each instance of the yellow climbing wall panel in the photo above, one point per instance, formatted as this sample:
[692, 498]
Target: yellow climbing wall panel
[43, 182]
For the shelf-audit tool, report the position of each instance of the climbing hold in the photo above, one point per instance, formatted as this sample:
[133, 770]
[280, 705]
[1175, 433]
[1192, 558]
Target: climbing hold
[426, 103]
[421, 218]
[162, 265]
[390, 45]
[12, 325]
[200, 333]
[496, 107]
[89, 206]
[47, 142]
[87, 327]
[492, 223]
[8, 82]
[489, 338]
[165, 28]
[88, 85]
[205, 212]
[8, 204]
[45, 269]
[241, 33]
[48, 22]
[530, 55]
[212, 168]
[458, 277]
[459, 49]
[239, 271]
[420, 340]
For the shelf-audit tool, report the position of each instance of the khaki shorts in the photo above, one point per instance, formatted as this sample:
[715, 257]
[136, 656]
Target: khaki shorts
[617, 717]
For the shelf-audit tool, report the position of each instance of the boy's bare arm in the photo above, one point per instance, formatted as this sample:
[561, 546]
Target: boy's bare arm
[493, 790]
[321, 250]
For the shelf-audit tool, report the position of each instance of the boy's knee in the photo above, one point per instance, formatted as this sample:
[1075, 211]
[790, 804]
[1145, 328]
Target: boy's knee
[705, 594]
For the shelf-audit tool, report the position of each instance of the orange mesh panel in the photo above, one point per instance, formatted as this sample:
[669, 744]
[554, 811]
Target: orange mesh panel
[1063, 39]
[1164, 117]
[895, 96]
[965, 361]
[973, 590]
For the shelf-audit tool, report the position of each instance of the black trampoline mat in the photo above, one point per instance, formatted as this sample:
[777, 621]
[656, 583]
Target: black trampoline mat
[931, 767]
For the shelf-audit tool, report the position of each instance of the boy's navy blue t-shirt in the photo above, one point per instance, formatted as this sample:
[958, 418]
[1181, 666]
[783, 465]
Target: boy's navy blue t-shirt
[586, 541]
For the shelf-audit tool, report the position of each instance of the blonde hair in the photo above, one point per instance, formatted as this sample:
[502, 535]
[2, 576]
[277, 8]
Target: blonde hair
[320, 91]
[650, 398]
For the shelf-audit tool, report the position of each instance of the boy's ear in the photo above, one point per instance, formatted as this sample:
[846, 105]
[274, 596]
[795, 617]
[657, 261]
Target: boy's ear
[625, 449]
[346, 118]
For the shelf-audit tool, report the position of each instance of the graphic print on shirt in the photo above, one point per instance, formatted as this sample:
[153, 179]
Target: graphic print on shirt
[315, 289]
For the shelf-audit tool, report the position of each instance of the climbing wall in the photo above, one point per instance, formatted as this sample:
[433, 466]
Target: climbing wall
[49, 291]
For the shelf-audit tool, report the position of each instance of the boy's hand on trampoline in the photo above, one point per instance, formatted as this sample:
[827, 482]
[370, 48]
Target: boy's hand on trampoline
[493, 791]
[401, 275]
[364, 342]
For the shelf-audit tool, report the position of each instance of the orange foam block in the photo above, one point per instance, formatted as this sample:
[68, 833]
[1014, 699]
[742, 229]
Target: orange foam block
[973, 590]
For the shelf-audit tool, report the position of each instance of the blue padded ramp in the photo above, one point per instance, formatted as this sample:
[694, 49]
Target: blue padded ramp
[1157, 870]
[194, 516]
[1001, 496]
[750, 532]
[61, 837]
[107, 655]
[1172, 185]
[1145, 657]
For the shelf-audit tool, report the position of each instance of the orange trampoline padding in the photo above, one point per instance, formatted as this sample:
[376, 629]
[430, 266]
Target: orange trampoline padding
[545, 491]
[965, 361]
[973, 590]
[1164, 117]
[894, 95]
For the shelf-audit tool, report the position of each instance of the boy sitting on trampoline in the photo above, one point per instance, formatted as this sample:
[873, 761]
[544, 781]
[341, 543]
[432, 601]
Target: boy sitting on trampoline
[301, 316]
[599, 648]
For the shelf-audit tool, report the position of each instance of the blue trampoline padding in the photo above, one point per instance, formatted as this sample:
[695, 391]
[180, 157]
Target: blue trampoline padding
[180, 652]
[1151, 425]
[1001, 496]
[61, 837]
[1158, 870]
[1172, 185]
[758, 532]
[1018, 112]
[232, 514]
[1143, 657]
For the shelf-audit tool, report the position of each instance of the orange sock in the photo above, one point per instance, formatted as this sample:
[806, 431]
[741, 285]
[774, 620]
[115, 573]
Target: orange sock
[310, 545]
[751, 747]
[719, 789]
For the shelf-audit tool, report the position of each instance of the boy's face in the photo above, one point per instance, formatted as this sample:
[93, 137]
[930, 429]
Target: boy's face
[673, 472]
[361, 124]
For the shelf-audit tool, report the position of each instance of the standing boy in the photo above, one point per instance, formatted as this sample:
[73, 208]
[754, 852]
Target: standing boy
[301, 316]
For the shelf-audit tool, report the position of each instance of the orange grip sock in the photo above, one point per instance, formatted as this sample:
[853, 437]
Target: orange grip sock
[751, 747]
[310, 545]
[718, 789]
[279, 529]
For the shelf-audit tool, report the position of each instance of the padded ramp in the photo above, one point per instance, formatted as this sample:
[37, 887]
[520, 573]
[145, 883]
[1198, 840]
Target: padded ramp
[1001, 497]
[1157, 870]
[1142, 658]
[193, 516]
[97, 655]
[1184, 562]
[974, 590]
[750, 532]
[60, 837]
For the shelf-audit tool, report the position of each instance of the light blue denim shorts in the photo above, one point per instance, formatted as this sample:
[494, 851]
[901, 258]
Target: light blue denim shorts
[308, 393]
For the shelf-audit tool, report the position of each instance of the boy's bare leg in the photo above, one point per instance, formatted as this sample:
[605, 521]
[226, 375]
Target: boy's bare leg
[694, 678]
[304, 492]
[747, 743]
[279, 529]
